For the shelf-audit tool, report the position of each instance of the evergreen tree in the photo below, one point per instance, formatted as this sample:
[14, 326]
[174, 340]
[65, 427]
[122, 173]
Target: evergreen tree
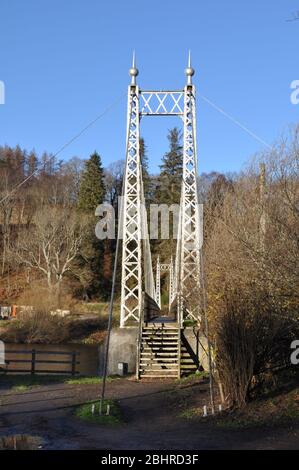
[143, 157]
[146, 178]
[170, 179]
[32, 163]
[91, 194]
[92, 188]
[168, 189]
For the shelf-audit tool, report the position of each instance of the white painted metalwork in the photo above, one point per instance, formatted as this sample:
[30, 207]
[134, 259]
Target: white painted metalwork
[185, 276]
[189, 237]
[163, 267]
[131, 282]
[171, 283]
[158, 282]
[149, 283]
[161, 103]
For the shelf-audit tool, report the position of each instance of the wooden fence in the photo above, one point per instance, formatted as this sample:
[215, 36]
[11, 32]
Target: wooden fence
[35, 359]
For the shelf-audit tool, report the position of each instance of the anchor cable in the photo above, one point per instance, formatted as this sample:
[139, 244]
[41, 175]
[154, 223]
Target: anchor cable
[63, 147]
[111, 304]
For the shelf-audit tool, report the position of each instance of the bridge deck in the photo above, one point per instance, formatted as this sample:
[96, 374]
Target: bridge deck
[162, 320]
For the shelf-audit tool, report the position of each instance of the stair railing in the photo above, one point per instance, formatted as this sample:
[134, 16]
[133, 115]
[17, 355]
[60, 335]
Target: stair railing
[179, 352]
[139, 337]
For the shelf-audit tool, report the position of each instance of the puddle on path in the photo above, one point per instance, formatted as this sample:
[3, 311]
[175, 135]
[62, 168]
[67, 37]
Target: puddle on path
[20, 442]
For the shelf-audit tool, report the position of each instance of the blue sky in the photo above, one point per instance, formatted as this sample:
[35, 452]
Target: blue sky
[64, 62]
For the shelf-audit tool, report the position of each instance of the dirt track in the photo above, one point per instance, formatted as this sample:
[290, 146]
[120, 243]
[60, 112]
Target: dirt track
[151, 412]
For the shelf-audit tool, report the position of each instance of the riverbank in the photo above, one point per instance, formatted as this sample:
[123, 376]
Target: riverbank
[43, 328]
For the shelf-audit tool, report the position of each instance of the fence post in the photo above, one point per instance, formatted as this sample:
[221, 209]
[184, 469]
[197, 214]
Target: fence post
[74, 363]
[33, 361]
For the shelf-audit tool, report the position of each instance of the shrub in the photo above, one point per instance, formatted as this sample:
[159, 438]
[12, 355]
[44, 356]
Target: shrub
[37, 327]
[253, 337]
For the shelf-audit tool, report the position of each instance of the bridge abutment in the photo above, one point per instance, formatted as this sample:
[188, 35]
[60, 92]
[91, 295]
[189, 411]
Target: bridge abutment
[123, 348]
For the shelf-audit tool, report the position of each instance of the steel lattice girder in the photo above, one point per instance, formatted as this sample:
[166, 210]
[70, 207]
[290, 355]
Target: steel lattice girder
[187, 268]
[131, 281]
[161, 103]
[189, 243]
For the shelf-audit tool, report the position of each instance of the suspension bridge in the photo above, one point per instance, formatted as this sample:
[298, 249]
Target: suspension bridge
[161, 349]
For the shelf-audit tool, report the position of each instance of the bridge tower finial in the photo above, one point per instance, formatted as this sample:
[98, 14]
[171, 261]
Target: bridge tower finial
[189, 71]
[133, 70]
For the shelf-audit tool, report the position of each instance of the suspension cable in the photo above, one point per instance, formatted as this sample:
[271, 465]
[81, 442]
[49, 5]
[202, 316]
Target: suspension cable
[111, 304]
[63, 147]
[109, 328]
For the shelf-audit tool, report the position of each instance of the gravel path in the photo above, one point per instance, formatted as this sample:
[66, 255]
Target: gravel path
[151, 414]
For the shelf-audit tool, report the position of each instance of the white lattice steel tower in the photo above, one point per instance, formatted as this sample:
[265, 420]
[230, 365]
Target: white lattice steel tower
[190, 232]
[131, 287]
[137, 273]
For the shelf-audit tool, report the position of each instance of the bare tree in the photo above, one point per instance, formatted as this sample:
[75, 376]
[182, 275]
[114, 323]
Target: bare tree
[11, 206]
[253, 286]
[51, 244]
[71, 172]
[113, 181]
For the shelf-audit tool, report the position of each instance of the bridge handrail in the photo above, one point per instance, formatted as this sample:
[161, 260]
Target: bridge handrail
[139, 337]
[151, 309]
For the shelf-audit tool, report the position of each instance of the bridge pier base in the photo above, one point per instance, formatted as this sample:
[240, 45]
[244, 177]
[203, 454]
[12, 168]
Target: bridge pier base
[194, 347]
[122, 348]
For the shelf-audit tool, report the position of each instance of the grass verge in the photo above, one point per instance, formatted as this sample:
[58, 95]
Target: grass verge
[277, 411]
[197, 376]
[90, 412]
[282, 410]
[20, 383]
